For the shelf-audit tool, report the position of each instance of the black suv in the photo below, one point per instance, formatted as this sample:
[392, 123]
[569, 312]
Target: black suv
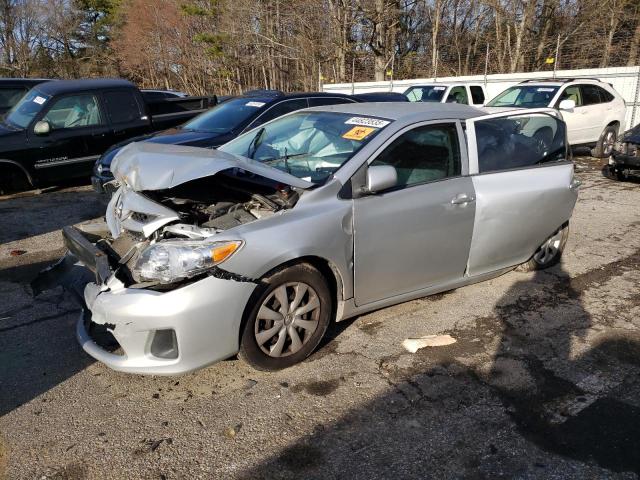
[223, 123]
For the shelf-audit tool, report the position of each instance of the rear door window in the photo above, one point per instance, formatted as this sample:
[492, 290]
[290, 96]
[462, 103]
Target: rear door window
[506, 143]
[477, 94]
[590, 94]
[424, 154]
[122, 106]
[74, 111]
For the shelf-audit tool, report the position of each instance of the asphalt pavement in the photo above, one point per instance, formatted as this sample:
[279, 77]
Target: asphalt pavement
[542, 381]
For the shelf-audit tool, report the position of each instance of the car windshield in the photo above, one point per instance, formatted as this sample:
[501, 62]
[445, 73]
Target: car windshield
[226, 116]
[309, 145]
[427, 93]
[23, 112]
[527, 96]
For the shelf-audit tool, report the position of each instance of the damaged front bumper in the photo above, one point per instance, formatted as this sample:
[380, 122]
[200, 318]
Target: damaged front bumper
[159, 333]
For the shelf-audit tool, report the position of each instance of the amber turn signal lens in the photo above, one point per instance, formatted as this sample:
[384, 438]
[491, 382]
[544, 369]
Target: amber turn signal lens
[218, 254]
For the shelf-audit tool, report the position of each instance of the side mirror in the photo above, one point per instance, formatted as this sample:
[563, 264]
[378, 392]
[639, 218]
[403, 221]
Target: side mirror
[381, 177]
[567, 105]
[42, 128]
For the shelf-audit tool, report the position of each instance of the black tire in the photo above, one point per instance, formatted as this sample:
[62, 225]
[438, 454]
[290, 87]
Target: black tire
[604, 147]
[539, 261]
[251, 352]
[12, 180]
[620, 175]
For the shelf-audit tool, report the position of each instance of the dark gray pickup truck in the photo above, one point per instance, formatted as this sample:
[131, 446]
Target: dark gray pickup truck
[59, 128]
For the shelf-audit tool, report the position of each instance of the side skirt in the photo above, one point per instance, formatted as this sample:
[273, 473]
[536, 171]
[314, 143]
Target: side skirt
[350, 309]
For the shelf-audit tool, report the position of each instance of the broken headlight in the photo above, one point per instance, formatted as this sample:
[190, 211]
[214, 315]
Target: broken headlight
[168, 262]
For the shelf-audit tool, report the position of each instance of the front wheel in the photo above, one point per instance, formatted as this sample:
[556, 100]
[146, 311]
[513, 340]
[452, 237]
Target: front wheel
[288, 319]
[549, 253]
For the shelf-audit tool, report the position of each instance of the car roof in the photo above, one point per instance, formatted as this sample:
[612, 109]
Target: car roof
[22, 81]
[444, 84]
[558, 82]
[312, 95]
[405, 110]
[381, 97]
[270, 99]
[67, 86]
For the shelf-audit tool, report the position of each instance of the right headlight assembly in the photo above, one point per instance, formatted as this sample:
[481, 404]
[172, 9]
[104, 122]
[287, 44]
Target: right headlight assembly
[168, 262]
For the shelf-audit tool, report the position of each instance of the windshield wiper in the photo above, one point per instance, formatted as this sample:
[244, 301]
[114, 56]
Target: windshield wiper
[255, 143]
[284, 157]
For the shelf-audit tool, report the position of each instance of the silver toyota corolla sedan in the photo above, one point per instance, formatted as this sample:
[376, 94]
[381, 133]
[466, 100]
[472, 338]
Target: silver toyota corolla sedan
[315, 217]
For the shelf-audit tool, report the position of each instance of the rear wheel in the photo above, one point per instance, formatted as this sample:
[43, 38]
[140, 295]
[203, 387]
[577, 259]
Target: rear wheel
[549, 253]
[288, 319]
[604, 147]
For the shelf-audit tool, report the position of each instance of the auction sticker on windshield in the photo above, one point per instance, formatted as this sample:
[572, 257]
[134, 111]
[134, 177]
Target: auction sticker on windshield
[368, 122]
[255, 104]
[39, 100]
[358, 133]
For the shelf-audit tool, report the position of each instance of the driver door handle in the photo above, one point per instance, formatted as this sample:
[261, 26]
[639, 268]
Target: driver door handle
[462, 199]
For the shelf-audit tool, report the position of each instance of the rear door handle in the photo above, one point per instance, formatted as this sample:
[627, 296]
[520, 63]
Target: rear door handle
[462, 199]
[575, 184]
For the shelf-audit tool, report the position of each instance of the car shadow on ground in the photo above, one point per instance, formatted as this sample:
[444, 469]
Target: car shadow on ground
[38, 348]
[532, 391]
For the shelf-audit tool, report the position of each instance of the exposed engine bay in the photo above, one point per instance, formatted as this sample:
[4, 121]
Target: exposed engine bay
[193, 211]
[210, 205]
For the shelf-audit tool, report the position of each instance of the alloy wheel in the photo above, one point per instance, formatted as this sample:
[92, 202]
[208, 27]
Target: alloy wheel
[287, 319]
[549, 249]
[608, 142]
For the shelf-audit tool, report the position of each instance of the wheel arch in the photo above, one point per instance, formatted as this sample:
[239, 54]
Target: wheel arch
[329, 271]
[326, 268]
[614, 123]
[5, 163]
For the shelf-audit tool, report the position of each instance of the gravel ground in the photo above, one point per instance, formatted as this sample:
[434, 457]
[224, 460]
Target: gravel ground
[543, 381]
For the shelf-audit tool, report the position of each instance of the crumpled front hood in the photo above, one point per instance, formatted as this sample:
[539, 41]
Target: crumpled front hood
[151, 166]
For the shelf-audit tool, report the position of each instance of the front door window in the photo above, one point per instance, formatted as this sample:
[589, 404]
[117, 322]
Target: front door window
[74, 111]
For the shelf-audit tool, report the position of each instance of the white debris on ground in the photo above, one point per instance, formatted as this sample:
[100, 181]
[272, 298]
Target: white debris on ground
[414, 344]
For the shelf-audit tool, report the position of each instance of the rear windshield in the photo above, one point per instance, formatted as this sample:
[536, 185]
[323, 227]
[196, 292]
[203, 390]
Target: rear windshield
[226, 116]
[526, 96]
[428, 93]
